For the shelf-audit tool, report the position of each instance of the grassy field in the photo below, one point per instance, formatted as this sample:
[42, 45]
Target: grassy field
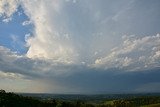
[152, 105]
[109, 102]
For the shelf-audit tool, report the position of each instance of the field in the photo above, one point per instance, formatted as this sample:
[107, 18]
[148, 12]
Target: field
[152, 105]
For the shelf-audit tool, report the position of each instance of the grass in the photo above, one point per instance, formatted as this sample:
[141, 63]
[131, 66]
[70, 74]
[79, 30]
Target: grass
[152, 105]
[109, 102]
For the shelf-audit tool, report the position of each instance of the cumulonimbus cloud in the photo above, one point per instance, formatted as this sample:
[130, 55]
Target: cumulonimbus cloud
[53, 53]
[49, 43]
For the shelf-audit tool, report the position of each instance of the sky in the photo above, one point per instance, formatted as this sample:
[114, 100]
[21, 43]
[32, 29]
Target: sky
[80, 46]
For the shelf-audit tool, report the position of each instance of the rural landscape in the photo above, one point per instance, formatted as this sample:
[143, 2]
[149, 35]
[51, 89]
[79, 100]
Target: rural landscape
[55, 100]
[79, 53]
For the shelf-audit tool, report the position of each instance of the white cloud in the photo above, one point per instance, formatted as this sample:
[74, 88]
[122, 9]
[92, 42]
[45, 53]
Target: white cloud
[27, 22]
[133, 54]
[7, 55]
[47, 42]
[11, 62]
[10, 75]
[7, 8]
[6, 20]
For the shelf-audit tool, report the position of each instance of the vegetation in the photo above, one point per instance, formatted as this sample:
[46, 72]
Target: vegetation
[14, 100]
[152, 105]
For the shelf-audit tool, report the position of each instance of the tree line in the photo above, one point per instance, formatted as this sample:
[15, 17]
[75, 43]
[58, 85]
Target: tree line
[14, 100]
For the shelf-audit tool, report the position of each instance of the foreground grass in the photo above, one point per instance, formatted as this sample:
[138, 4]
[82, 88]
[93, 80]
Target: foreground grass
[152, 105]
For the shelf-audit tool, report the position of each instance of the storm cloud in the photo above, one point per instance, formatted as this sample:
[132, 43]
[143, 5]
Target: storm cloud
[83, 46]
